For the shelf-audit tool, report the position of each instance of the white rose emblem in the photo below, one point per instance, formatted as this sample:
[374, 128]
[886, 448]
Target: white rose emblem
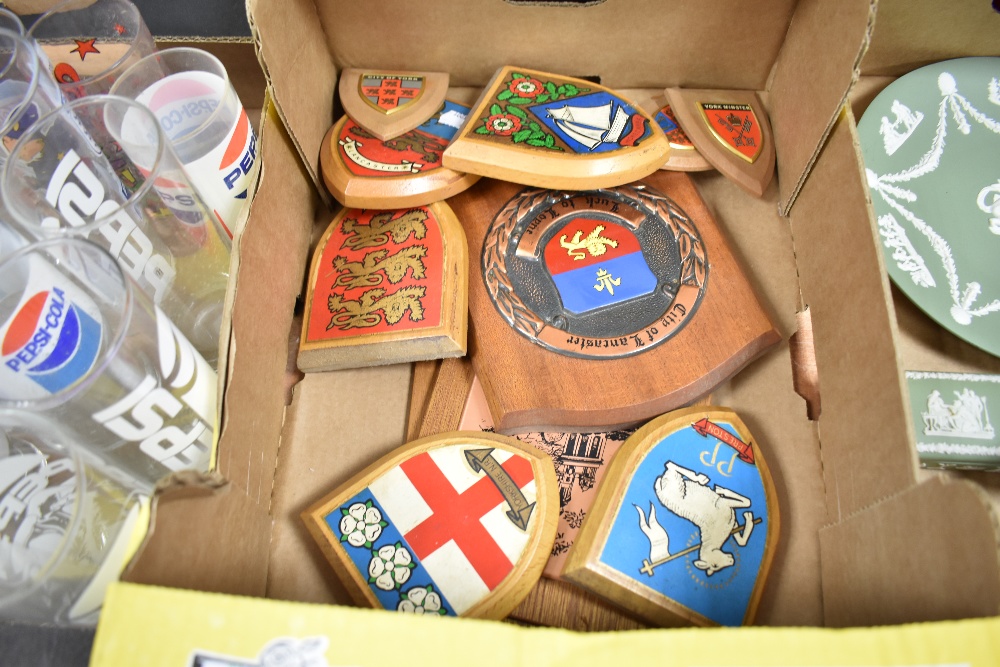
[390, 566]
[361, 524]
[420, 600]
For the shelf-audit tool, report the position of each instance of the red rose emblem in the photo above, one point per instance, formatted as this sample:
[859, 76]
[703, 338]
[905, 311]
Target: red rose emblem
[503, 124]
[526, 87]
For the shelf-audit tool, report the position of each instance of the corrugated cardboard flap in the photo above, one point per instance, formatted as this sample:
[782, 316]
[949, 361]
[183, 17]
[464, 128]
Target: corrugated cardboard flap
[811, 79]
[929, 553]
[204, 535]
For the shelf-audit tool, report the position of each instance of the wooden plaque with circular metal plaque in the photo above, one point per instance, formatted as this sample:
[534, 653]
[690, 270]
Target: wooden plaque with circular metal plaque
[601, 308]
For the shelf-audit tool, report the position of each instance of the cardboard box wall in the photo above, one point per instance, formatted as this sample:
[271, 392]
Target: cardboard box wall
[866, 538]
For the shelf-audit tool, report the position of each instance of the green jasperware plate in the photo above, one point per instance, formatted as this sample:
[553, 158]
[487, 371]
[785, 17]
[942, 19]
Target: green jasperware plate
[931, 147]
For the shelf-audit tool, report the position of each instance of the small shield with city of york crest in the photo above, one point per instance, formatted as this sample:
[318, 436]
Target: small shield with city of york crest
[453, 524]
[388, 92]
[687, 521]
[736, 126]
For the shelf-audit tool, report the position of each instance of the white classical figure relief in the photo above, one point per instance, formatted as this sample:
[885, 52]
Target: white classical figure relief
[988, 202]
[956, 110]
[906, 256]
[895, 133]
[712, 510]
[965, 417]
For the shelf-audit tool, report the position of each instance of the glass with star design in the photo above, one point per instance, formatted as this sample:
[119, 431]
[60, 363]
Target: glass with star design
[89, 47]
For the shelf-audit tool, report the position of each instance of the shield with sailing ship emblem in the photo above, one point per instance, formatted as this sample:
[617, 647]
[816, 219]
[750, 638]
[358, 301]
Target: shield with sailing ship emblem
[593, 123]
[552, 131]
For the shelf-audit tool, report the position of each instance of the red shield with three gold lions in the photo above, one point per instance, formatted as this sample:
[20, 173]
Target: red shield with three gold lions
[736, 126]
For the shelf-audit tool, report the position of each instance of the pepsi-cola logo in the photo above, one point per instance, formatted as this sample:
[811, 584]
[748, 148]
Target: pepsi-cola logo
[239, 157]
[51, 341]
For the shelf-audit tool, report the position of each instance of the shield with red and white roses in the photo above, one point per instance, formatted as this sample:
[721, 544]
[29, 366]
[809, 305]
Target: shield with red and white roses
[553, 131]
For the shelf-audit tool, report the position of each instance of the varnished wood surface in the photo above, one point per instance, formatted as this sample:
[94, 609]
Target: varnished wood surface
[752, 177]
[422, 380]
[530, 388]
[448, 397]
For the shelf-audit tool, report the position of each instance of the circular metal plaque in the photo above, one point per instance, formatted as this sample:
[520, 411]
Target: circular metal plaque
[598, 274]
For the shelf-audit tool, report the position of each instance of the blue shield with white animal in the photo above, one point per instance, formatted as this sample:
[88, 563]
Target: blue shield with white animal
[693, 524]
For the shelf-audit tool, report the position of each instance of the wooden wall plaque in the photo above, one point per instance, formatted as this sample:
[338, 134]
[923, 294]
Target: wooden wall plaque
[666, 318]
[363, 171]
[731, 130]
[554, 131]
[456, 524]
[683, 530]
[683, 154]
[386, 287]
[389, 103]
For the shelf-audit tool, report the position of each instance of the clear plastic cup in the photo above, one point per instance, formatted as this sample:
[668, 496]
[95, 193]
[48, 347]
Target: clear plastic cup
[89, 45]
[82, 347]
[105, 172]
[27, 92]
[66, 527]
[10, 21]
[192, 97]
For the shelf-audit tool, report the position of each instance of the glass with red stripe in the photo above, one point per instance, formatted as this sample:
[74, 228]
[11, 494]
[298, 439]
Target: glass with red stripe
[190, 93]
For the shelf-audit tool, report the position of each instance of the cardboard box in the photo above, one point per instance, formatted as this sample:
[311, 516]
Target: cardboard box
[867, 537]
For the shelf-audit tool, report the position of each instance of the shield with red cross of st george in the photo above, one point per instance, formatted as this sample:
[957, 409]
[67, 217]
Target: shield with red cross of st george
[389, 92]
[446, 528]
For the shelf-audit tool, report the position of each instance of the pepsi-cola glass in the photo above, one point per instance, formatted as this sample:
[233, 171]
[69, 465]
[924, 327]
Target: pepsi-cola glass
[100, 168]
[27, 92]
[89, 44]
[80, 345]
[65, 524]
[190, 93]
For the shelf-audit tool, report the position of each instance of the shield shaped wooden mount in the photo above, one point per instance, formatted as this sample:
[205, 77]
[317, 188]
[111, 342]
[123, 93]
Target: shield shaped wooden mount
[388, 103]
[457, 524]
[552, 131]
[386, 287]
[684, 527]
[363, 171]
[683, 154]
[731, 130]
[566, 349]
